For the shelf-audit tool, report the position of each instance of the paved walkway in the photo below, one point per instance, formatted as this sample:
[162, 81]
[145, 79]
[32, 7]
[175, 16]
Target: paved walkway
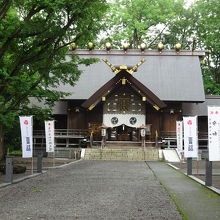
[89, 190]
[110, 190]
[193, 200]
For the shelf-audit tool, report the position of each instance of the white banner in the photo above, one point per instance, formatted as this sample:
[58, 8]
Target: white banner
[26, 136]
[214, 132]
[179, 135]
[190, 136]
[49, 132]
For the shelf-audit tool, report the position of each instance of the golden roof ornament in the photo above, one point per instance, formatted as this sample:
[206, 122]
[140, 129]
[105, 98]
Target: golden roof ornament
[108, 46]
[160, 46]
[123, 67]
[90, 45]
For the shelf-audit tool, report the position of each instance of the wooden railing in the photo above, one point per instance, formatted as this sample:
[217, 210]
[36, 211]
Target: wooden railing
[168, 134]
[64, 133]
[202, 135]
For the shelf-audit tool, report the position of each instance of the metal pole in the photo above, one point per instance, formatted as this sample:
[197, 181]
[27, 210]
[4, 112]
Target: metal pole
[91, 140]
[189, 166]
[156, 141]
[54, 158]
[102, 143]
[32, 165]
[39, 163]
[142, 142]
[9, 169]
[208, 173]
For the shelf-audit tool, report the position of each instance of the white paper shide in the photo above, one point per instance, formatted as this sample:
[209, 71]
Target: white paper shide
[49, 132]
[179, 135]
[26, 136]
[214, 132]
[190, 136]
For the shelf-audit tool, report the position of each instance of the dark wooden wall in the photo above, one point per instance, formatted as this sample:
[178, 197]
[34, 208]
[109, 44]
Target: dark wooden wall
[80, 118]
[203, 123]
[60, 121]
[161, 121]
[164, 120]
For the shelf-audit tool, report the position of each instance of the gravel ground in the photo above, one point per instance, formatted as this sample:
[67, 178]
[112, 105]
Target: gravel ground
[46, 162]
[89, 190]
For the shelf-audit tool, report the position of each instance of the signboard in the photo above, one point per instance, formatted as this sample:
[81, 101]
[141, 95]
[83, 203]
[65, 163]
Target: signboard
[179, 135]
[190, 136]
[214, 133]
[49, 132]
[26, 136]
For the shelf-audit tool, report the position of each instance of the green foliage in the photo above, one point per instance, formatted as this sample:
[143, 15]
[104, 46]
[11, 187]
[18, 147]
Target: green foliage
[37, 190]
[208, 32]
[198, 27]
[15, 152]
[138, 21]
[34, 40]
[169, 21]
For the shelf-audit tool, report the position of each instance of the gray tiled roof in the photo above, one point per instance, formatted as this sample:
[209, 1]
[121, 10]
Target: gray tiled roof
[169, 75]
[211, 100]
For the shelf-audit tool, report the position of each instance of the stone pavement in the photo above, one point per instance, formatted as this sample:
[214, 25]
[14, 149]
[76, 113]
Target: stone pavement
[89, 190]
[113, 190]
[193, 200]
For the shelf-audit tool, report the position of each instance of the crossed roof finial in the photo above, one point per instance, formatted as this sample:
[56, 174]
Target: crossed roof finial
[120, 68]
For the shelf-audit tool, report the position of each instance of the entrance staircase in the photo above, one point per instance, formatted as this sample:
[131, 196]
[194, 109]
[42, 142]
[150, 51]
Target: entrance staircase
[122, 144]
[122, 154]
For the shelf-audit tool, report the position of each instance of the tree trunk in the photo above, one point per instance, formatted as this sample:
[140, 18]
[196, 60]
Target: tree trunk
[2, 150]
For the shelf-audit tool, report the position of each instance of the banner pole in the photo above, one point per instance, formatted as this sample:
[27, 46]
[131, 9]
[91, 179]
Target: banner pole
[197, 167]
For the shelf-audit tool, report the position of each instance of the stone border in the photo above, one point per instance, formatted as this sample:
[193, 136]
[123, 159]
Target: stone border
[21, 179]
[196, 179]
[36, 174]
[64, 165]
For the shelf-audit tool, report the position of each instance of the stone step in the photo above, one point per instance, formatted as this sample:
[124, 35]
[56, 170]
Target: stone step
[138, 154]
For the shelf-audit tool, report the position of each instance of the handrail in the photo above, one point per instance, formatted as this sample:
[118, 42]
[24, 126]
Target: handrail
[64, 132]
[172, 134]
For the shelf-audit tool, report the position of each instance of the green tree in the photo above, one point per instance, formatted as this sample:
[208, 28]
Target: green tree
[138, 21]
[198, 27]
[182, 29]
[34, 39]
[208, 32]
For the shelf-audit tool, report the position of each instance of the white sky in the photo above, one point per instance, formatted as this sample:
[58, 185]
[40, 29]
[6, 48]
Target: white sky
[189, 2]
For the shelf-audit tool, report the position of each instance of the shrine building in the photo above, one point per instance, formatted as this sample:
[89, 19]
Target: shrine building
[127, 90]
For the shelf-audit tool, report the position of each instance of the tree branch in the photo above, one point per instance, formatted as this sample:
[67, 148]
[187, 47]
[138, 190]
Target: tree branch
[17, 30]
[157, 36]
[4, 8]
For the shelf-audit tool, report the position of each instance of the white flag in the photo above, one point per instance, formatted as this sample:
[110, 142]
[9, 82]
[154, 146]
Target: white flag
[179, 135]
[26, 136]
[214, 133]
[190, 136]
[49, 132]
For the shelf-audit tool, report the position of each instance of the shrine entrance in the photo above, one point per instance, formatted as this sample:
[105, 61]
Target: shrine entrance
[124, 101]
[122, 133]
